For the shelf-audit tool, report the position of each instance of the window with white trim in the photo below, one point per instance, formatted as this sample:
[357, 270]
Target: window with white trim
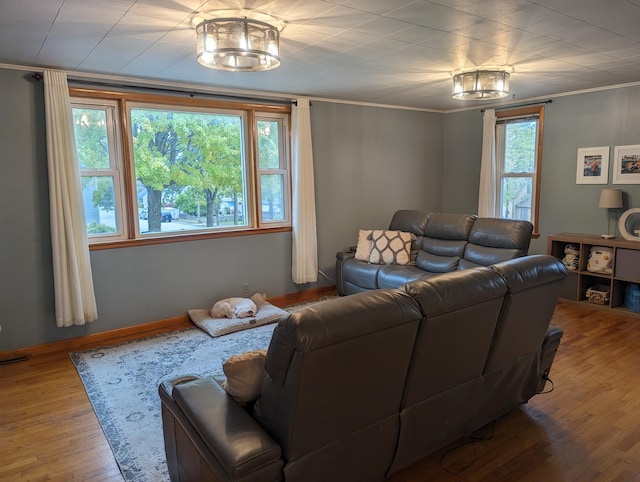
[273, 172]
[100, 163]
[518, 159]
[180, 167]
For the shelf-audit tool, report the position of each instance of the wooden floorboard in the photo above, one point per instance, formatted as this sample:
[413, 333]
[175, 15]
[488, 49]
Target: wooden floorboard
[586, 429]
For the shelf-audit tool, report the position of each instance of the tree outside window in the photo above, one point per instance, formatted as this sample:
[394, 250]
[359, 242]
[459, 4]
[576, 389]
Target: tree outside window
[95, 149]
[182, 167]
[194, 157]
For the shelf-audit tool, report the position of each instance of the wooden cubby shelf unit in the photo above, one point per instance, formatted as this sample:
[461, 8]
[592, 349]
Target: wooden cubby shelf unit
[626, 268]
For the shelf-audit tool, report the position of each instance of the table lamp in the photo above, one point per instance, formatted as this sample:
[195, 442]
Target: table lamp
[610, 199]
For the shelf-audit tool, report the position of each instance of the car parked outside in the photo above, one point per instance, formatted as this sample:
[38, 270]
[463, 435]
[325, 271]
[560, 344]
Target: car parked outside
[165, 216]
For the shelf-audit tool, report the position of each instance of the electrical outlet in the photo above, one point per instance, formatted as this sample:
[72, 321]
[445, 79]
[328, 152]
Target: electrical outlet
[245, 289]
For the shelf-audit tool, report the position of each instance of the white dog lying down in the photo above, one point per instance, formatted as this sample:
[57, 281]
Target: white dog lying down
[237, 307]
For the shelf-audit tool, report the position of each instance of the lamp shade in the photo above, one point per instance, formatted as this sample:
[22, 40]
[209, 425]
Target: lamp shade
[610, 198]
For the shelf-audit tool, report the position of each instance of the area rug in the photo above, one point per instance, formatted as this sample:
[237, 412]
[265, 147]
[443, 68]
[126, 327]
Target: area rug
[122, 384]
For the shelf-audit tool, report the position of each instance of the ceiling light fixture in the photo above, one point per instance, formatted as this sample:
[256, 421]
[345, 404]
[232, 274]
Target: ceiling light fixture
[481, 84]
[238, 44]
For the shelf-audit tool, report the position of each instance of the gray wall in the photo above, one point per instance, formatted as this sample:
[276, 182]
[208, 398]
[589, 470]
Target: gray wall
[462, 147]
[605, 118]
[369, 162]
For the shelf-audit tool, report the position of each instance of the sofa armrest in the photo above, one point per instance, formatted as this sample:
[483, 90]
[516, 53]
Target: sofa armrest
[341, 258]
[227, 438]
[344, 255]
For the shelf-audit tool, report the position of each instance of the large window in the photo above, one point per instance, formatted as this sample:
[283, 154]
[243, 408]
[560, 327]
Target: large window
[518, 158]
[100, 168]
[179, 167]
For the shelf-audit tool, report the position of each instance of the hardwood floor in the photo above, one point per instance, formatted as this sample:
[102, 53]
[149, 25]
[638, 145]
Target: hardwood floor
[587, 429]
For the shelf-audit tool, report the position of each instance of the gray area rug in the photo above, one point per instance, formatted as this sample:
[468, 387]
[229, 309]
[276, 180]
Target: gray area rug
[122, 384]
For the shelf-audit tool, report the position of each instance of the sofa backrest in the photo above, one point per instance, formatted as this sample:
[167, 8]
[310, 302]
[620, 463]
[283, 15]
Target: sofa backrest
[410, 221]
[447, 242]
[514, 369]
[532, 283]
[336, 374]
[460, 312]
[493, 240]
[444, 241]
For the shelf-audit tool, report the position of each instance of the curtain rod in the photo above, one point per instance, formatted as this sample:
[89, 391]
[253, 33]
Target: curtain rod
[549, 101]
[191, 93]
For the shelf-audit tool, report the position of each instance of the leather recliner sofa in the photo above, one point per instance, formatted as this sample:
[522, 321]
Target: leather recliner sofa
[442, 243]
[361, 386]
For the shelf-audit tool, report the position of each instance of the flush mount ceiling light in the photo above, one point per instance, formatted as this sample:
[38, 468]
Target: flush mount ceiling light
[238, 44]
[481, 84]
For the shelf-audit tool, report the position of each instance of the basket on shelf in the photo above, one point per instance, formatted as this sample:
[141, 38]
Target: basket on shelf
[598, 294]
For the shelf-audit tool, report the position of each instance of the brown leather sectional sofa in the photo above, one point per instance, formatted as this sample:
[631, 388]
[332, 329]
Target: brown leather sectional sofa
[442, 243]
[361, 386]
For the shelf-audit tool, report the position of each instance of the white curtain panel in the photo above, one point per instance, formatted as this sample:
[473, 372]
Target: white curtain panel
[487, 191]
[73, 284]
[304, 266]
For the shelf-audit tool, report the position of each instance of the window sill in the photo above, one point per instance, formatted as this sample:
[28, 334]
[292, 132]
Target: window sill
[128, 243]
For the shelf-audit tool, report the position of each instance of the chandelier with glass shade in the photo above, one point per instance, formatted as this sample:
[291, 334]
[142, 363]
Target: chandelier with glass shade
[481, 84]
[238, 44]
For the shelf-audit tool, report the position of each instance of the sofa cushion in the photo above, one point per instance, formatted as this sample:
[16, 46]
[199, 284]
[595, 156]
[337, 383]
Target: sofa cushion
[245, 374]
[394, 276]
[466, 264]
[390, 247]
[449, 226]
[493, 240]
[365, 244]
[360, 273]
[436, 264]
[486, 256]
[444, 247]
[502, 233]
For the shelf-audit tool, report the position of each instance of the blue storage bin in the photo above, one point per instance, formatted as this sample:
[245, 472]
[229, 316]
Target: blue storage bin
[632, 297]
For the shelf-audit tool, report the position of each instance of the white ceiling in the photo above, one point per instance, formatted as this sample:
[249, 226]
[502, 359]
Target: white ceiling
[395, 52]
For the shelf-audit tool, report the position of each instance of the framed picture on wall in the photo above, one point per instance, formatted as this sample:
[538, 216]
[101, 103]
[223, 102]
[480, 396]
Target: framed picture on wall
[593, 165]
[626, 165]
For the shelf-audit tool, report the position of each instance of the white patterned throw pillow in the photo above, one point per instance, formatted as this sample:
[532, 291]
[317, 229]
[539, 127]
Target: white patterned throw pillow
[390, 247]
[363, 248]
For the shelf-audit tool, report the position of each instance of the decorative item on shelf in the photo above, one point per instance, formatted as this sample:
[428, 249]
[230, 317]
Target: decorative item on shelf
[610, 199]
[598, 294]
[238, 44]
[600, 259]
[481, 84]
[571, 257]
[630, 221]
